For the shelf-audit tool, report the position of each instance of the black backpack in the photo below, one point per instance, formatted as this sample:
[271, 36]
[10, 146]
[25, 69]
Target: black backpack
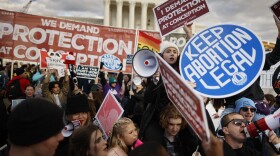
[13, 90]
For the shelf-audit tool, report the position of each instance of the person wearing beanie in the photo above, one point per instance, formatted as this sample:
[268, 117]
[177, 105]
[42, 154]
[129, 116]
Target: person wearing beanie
[169, 52]
[155, 95]
[115, 85]
[77, 108]
[23, 83]
[77, 111]
[246, 107]
[34, 128]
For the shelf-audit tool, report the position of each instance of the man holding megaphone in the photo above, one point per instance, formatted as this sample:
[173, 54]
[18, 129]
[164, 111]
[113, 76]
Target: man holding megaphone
[240, 132]
[254, 130]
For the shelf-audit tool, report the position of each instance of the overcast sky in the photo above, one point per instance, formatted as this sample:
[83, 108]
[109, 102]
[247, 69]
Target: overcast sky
[253, 14]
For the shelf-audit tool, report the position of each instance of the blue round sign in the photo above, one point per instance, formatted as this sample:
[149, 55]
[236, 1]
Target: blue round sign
[222, 60]
[111, 62]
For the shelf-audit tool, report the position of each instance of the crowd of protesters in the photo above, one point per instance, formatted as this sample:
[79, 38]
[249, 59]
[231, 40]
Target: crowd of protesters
[150, 124]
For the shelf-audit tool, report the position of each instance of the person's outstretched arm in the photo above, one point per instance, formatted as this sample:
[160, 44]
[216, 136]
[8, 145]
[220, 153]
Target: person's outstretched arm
[273, 57]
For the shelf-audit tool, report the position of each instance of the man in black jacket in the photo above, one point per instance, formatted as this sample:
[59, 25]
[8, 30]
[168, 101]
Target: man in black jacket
[233, 125]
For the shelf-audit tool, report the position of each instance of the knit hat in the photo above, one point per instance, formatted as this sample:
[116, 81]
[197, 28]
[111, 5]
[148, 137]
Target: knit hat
[19, 71]
[112, 80]
[165, 44]
[33, 121]
[70, 59]
[77, 104]
[243, 102]
[94, 87]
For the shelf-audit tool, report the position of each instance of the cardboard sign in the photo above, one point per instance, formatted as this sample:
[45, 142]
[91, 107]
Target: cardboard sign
[175, 13]
[111, 62]
[87, 72]
[51, 59]
[275, 8]
[222, 60]
[129, 59]
[109, 112]
[188, 103]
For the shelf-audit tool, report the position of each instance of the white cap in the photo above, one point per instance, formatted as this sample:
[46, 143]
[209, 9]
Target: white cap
[165, 44]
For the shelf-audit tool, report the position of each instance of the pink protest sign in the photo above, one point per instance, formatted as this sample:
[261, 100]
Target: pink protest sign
[109, 112]
[175, 13]
[185, 99]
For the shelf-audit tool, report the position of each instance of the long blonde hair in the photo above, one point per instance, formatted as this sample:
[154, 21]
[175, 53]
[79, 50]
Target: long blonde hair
[117, 133]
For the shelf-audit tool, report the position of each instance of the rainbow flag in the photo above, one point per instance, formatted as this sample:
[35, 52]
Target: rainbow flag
[146, 41]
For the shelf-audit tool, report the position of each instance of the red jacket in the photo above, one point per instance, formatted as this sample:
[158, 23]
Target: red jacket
[24, 82]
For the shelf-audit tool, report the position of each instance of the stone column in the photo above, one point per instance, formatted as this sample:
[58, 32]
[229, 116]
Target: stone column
[119, 12]
[144, 15]
[106, 12]
[156, 28]
[131, 13]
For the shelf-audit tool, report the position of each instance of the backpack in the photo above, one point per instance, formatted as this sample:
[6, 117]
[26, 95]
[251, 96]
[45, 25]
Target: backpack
[13, 90]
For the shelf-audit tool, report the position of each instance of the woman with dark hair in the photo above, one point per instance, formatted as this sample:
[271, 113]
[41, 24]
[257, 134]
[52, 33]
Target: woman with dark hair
[272, 101]
[77, 113]
[29, 92]
[77, 108]
[54, 91]
[88, 141]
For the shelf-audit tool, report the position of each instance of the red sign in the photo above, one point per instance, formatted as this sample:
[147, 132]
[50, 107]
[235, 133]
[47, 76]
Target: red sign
[58, 59]
[184, 98]
[109, 112]
[276, 9]
[175, 13]
[23, 36]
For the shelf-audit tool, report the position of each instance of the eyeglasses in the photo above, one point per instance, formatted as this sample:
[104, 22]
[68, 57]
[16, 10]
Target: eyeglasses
[237, 122]
[245, 109]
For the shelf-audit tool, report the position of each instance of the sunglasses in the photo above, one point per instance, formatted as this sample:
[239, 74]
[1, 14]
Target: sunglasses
[237, 122]
[245, 109]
